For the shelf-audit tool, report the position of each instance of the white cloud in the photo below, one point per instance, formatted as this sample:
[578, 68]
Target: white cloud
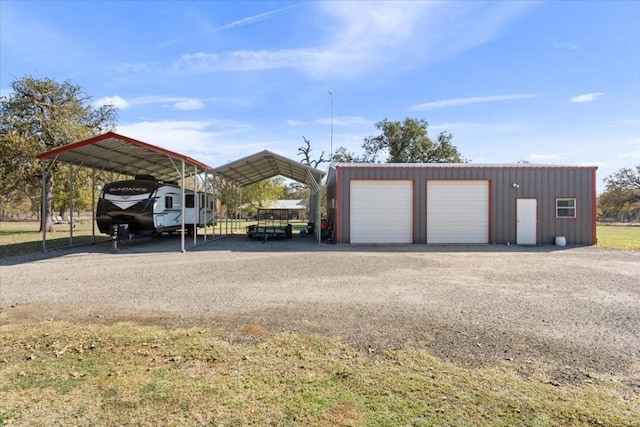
[360, 37]
[455, 102]
[253, 19]
[237, 23]
[212, 142]
[177, 103]
[188, 104]
[115, 100]
[587, 97]
[366, 36]
[296, 123]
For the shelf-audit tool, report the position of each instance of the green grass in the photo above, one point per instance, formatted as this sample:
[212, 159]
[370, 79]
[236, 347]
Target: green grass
[22, 238]
[619, 237]
[58, 373]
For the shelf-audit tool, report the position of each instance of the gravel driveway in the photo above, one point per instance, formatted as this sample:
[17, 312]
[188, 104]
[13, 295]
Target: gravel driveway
[575, 311]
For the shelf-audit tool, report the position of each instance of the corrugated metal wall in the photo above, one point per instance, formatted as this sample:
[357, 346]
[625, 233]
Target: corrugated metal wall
[545, 184]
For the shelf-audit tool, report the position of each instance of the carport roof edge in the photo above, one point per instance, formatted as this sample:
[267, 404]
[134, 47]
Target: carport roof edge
[266, 164]
[121, 154]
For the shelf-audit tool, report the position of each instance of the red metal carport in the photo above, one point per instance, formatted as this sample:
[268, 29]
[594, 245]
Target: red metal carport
[120, 154]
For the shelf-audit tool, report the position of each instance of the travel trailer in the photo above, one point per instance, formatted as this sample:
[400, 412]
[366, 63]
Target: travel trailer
[146, 206]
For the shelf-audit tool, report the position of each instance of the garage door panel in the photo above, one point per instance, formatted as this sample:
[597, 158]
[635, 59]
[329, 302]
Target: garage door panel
[457, 212]
[381, 211]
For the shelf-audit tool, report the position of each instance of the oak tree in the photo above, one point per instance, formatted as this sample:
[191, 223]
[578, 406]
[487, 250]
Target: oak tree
[39, 115]
[622, 194]
[408, 142]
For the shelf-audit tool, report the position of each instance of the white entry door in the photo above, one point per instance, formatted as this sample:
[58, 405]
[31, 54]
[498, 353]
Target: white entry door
[527, 217]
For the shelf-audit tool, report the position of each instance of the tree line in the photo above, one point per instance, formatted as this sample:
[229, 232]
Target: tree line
[620, 202]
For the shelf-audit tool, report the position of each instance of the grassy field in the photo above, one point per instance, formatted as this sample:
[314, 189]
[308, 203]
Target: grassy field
[57, 373]
[21, 238]
[619, 237]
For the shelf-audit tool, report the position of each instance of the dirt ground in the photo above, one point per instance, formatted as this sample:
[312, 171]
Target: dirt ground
[573, 310]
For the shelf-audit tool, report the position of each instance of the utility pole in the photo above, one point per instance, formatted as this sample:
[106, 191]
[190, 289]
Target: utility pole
[331, 127]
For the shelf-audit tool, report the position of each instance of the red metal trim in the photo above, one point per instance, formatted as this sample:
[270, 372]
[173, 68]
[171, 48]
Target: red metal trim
[490, 189]
[415, 209]
[110, 135]
[594, 210]
[426, 210]
[479, 167]
[337, 221]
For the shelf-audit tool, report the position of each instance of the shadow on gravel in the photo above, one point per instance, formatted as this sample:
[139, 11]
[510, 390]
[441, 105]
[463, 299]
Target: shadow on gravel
[240, 243]
[140, 245]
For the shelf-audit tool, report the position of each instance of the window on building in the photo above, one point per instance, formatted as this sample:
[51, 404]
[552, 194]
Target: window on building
[168, 202]
[565, 208]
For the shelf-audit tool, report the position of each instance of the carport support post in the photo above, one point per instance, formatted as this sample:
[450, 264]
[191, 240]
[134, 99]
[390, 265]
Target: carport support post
[70, 205]
[43, 220]
[93, 204]
[318, 213]
[206, 205]
[196, 206]
[182, 211]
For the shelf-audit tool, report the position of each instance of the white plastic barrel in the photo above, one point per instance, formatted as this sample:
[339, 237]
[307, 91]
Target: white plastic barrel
[561, 241]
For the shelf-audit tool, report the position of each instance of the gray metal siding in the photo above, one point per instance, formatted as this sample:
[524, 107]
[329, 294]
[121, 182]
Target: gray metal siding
[545, 184]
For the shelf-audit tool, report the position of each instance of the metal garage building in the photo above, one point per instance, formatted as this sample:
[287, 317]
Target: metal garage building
[462, 203]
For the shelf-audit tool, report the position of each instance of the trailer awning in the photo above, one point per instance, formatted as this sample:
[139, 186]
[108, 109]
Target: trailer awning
[117, 153]
[264, 165]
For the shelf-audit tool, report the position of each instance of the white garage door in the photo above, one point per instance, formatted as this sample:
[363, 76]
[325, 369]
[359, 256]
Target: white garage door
[457, 212]
[381, 211]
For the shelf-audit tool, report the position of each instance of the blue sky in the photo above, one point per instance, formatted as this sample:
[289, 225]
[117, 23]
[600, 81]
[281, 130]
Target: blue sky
[547, 82]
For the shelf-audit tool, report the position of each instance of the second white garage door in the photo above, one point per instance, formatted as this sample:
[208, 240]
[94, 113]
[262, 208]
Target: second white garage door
[381, 211]
[457, 212]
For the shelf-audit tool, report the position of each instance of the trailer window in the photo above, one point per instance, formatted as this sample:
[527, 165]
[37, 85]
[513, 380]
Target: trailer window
[189, 200]
[168, 202]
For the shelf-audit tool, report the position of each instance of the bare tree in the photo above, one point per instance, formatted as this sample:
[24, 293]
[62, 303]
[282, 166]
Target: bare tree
[305, 152]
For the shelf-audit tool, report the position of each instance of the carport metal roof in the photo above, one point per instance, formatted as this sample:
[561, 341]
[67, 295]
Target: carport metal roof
[264, 165]
[112, 152]
[117, 153]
